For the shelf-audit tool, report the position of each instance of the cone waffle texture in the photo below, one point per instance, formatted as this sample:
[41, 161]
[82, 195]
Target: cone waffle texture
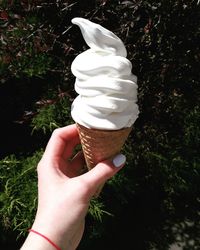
[99, 145]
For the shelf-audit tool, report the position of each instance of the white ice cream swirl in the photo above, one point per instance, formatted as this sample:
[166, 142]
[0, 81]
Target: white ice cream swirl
[107, 89]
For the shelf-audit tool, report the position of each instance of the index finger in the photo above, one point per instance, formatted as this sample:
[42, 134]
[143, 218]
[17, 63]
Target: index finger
[62, 141]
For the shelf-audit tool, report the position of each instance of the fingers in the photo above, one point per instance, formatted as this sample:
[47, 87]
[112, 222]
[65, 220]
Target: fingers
[62, 142]
[103, 171]
[77, 164]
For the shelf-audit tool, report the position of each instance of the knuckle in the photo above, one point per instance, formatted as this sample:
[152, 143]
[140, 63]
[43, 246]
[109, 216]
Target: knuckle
[56, 132]
[85, 186]
[40, 166]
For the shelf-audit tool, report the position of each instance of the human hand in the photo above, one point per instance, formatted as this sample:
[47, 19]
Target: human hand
[64, 193]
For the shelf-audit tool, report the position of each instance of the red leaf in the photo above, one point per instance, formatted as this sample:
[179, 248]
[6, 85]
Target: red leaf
[4, 15]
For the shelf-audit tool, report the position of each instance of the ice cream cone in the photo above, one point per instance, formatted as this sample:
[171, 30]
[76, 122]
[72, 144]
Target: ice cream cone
[99, 145]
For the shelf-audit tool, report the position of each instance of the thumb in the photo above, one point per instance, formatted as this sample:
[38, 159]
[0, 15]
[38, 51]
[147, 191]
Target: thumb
[104, 171]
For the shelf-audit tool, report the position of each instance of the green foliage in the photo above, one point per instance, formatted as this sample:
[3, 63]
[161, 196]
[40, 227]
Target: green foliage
[18, 197]
[23, 53]
[32, 65]
[54, 113]
[96, 210]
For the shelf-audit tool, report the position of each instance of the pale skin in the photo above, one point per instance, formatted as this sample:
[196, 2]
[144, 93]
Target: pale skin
[64, 193]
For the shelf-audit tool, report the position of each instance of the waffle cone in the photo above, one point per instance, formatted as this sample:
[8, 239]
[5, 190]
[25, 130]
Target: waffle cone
[99, 145]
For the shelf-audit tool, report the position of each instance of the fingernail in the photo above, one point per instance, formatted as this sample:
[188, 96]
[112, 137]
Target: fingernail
[119, 160]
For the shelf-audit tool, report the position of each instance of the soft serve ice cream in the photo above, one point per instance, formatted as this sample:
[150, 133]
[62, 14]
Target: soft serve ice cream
[106, 86]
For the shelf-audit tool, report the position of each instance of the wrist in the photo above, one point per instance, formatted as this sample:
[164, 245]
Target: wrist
[36, 241]
[53, 233]
[46, 238]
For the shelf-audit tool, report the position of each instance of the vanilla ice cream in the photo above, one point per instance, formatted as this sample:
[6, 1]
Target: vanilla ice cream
[106, 86]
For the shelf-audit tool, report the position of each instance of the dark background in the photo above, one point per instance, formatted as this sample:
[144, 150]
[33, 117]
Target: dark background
[155, 201]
